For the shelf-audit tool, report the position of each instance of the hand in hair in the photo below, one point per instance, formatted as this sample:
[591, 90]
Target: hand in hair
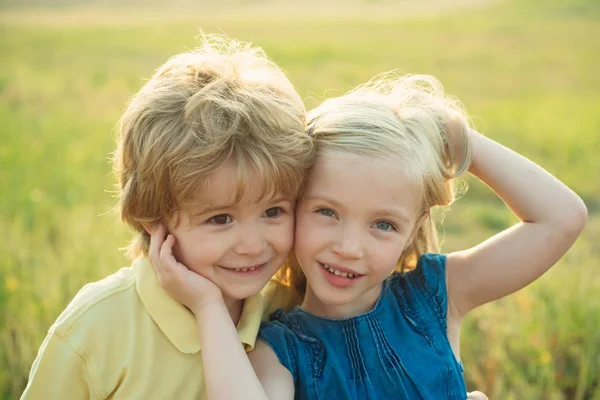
[187, 287]
[476, 396]
[552, 217]
[456, 134]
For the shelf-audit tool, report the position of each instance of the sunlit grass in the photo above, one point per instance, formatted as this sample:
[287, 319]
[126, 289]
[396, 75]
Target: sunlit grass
[526, 73]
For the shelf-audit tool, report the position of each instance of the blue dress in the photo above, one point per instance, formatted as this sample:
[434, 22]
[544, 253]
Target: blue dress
[398, 350]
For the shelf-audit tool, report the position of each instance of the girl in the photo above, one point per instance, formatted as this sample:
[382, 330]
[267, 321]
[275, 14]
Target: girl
[382, 309]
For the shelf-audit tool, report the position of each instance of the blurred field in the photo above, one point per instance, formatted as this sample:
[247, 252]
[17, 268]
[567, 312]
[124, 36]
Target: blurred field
[527, 71]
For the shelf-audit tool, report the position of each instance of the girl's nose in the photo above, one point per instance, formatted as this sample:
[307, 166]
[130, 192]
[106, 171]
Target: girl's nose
[349, 244]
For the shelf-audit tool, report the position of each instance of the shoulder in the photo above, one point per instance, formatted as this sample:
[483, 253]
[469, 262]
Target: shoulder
[277, 295]
[431, 270]
[280, 337]
[100, 306]
[426, 284]
[276, 379]
[81, 344]
[295, 343]
[429, 274]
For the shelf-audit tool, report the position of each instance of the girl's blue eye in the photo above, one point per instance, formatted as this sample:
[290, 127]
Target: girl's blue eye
[384, 226]
[326, 212]
[273, 212]
[221, 219]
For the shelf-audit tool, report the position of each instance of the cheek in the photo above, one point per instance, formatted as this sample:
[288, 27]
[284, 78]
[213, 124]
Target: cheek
[386, 256]
[197, 250]
[308, 235]
[281, 236]
[182, 249]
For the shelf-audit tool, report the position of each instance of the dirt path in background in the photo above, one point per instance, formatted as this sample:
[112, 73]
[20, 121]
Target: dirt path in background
[132, 12]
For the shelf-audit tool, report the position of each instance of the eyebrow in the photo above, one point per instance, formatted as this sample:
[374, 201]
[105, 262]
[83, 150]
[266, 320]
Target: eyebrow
[396, 212]
[209, 209]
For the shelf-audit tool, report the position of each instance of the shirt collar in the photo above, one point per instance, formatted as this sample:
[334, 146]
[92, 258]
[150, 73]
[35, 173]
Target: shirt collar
[178, 323]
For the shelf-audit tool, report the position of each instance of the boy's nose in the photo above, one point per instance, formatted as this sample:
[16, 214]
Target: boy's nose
[251, 241]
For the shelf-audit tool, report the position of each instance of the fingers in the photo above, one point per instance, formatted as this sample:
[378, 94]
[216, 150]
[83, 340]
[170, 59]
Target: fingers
[157, 237]
[167, 259]
[476, 396]
[161, 256]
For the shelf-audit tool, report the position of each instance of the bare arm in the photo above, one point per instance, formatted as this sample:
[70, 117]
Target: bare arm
[552, 217]
[258, 375]
[275, 378]
[224, 357]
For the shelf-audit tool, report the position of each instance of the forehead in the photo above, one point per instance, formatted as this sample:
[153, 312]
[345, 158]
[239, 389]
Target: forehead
[363, 182]
[229, 185]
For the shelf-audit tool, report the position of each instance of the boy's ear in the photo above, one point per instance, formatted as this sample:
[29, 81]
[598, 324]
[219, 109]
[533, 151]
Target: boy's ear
[148, 228]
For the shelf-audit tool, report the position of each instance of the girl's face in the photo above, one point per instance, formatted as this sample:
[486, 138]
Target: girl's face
[352, 223]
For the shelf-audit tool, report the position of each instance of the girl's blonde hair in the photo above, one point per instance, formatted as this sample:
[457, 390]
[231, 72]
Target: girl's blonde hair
[408, 120]
[225, 101]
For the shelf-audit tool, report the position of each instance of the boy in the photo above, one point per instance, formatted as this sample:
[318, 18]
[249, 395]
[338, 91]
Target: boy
[213, 148]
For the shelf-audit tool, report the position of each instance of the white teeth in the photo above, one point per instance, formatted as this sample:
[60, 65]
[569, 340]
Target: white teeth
[245, 269]
[339, 273]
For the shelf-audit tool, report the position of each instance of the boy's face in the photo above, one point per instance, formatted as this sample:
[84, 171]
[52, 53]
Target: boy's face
[238, 247]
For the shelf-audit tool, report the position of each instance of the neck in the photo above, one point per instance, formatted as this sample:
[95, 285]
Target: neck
[357, 306]
[234, 306]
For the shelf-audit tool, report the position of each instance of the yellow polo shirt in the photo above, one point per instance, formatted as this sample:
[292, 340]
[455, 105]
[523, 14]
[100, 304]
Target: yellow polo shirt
[124, 337]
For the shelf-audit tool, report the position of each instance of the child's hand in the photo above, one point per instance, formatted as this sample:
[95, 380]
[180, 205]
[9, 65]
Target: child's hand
[456, 130]
[476, 396]
[187, 287]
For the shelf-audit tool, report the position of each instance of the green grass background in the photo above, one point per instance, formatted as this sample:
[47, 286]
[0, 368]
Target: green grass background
[527, 71]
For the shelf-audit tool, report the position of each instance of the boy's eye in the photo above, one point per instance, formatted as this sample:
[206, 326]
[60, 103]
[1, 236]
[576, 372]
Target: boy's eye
[273, 212]
[326, 212]
[220, 219]
[383, 226]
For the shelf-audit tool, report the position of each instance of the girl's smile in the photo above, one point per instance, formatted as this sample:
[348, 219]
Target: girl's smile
[339, 276]
[353, 221]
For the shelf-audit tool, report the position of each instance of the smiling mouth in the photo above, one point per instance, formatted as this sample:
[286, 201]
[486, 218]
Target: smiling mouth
[343, 274]
[245, 270]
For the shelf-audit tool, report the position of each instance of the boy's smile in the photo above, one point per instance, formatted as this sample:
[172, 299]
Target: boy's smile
[246, 270]
[238, 245]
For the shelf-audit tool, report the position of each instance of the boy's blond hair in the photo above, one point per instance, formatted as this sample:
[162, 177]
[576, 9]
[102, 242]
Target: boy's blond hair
[225, 101]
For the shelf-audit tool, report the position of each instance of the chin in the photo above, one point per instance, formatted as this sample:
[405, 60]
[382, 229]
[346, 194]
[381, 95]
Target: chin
[330, 298]
[241, 292]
